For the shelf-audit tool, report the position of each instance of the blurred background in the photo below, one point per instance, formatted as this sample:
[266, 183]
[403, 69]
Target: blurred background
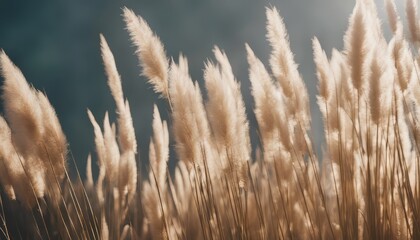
[56, 45]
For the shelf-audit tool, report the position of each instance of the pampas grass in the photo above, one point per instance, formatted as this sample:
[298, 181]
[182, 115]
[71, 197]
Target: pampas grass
[365, 185]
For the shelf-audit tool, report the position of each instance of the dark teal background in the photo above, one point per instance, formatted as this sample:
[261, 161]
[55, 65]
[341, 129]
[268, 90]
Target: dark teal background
[56, 45]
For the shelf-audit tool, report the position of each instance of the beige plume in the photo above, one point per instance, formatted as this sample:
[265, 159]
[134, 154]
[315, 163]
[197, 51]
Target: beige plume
[190, 126]
[150, 52]
[323, 71]
[159, 150]
[355, 45]
[285, 69]
[393, 18]
[412, 19]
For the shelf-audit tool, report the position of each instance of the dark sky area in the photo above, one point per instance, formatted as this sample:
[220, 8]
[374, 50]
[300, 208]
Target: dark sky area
[56, 45]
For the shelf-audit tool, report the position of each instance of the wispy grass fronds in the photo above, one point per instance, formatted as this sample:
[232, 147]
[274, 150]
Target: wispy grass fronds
[380, 86]
[402, 58]
[100, 151]
[21, 107]
[36, 135]
[12, 169]
[365, 184]
[323, 71]
[227, 117]
[356, 46]
[271, 121]
[123, 159]
[190, 125]
[126, 131]
[150, 52]
[159, 149]
[89, 176]
[393, 18]
[285, 69]
[412, 20]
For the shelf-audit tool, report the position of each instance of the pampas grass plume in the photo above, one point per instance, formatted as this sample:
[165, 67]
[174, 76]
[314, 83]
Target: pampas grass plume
[150, 52]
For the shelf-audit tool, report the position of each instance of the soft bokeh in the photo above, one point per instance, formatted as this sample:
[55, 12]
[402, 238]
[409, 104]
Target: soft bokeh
[56, 45]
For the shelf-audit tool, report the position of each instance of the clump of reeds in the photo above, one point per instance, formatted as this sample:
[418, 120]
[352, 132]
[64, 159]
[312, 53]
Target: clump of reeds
[366, 186]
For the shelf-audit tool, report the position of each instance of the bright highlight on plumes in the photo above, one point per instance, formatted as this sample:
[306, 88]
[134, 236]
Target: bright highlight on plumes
[364, 185]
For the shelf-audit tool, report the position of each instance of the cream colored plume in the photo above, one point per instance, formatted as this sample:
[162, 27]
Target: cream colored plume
[268, 101]
[403, 59]
[323, 71]
[52, 150]
[112, 153]
[327, 86]
[241, 123]
[21, 106]
[150, 52]
[413, 19]
[127, 176]
[393, 18]
[355, 42]
[7, 167]
[226, 114]
[36, 132]
[380, 90]
[181, 188]
[285, 69]
[281, 59]
[101, 153]
[89, 176]
[153, 210]
[126, 165]
[126, 132]
[190, 125]
[99, 139]
[159, 150]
